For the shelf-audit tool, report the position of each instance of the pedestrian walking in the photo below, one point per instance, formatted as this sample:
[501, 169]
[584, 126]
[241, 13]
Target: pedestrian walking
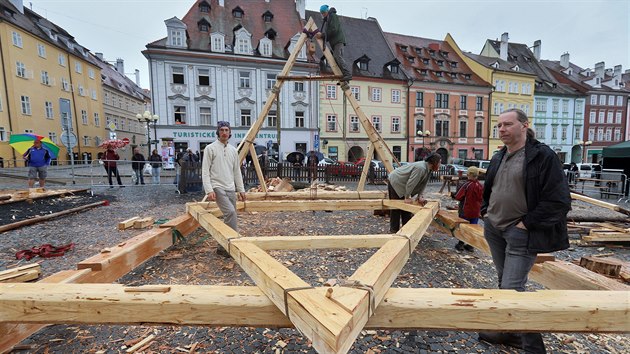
[470, 196]
[137, 165]
[37, 159]
[156, 166]
[525, 202]
[408, 183]
[222, 178]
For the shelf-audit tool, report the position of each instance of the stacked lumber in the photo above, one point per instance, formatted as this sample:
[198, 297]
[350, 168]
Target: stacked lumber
[21, 274]
[136, 222]
[608, 233]
[608, 266]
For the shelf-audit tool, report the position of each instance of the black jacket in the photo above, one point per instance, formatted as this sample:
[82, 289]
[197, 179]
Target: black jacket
[138, 161]
[547, 194]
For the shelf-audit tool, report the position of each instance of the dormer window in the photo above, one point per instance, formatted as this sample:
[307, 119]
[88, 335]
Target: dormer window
[516, 68]
[411, 59]
[271, 34]
[495, 65]
[438, 74]
[204, 25]
[394, 69]
[242, 41]
[217, 42]
[467, 76]
[403, 48]
[264, 47]
[238, 12]
[454, 75]
[419, 51]
[425, 61]
[453, 64]
[267, 16]
[440, 62]
[423, 72]
[363, 62]
[432, 52]
[363, 65]
[444, 54]
[204, 7]
[176, 30]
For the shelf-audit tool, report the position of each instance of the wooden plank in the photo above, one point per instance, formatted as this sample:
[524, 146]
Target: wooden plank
[21, 274]
[321, 242]
[366, 167]
[259, 174]
[400, 204]
[568, 276]
[129, 254]
[607, 237]
[184, 223]
[600, 203]
[124, 225]
[308, 205]
[418, 308]
[321, 194]
[604, 266]
[143, 223]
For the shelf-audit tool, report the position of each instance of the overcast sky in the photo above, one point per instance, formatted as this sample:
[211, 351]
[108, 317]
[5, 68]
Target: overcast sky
[590, 30]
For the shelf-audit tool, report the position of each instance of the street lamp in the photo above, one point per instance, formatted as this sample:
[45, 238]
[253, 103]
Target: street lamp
[148, 118]
[584, 144]
[423, 134]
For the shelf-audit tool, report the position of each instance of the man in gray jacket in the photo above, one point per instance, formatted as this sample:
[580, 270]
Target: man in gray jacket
[409, 181]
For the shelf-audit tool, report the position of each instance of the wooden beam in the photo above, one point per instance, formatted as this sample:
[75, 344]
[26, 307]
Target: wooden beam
[321, 195]
[321, 242]
[38, 219]
[308, 205]
[366, 167]
[600, 203]
[445, 309]
[21, 274]
[607, 237]
[184, 223]
[259, 174]
[568, 276]
[126, 224]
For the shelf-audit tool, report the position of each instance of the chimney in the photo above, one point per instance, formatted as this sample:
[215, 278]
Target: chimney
[599, 69]
[564, 60]
[99, 56]
[222, 3]
[120, 66]
[617, 71]
[300, 6]
[138, 77]
[18, 4]
[503, 50]
[537, 45]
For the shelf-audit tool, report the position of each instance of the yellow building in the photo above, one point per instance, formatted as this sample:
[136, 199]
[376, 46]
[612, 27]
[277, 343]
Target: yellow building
[513, 87]
[49, 84]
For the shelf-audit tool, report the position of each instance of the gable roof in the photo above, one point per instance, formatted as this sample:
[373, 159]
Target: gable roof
[497, 64]
[578, 81]
[286, 23]
[415, 55]
[364, 37]
[119, 81]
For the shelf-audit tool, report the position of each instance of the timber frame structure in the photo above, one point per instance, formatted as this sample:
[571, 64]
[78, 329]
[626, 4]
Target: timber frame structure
[331, 317]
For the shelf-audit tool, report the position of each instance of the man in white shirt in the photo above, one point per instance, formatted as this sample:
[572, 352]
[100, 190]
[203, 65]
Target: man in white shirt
[222, 178]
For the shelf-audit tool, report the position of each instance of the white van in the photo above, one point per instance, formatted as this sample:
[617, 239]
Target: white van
[477, 163]
[585, 170]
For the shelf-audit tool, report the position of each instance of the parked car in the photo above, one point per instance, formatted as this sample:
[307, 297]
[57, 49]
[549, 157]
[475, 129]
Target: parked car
[477, 163]
[326, 161]
[586, 170]
[361, 162]
[343, 168]
[454, 169]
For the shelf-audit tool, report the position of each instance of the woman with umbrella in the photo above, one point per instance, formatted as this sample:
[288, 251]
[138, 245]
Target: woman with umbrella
[37, 152]
[109, 162]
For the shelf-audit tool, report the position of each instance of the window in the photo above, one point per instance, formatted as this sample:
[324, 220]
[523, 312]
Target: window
[53, 137]
[578, 107]
[17, 39]
[600, 134]
[554, 132]
[94, 94]
[617, 134]
[540, 131]
[593, 99]
[217, 43]
[463, 102]
[442, 127]
[499, 85]
[592, 117]
[565, 106]
[45, 79]
[602, 100]
[555, 105]
[81, 90]
[462, 128]
[609, 119]
[331, 92]
[354, 124]
[246, 117]
[525, 108]
[178, 74]
[61, 59]
[611, 100]
[20, 69]
[395, 124]
[86, 140]
[331, 123]
[203, 77]
[419, 99]
[601, 116]
[271, 81]
[48, 109]
[478, 129]
[26, 105]
[180, 114]
[265, 47]
[237, 12]
[242, 45]
[395, 96]
[619, 101]
[91, 73]
[244, 81]
[41, 50]
[375, 93]
[3, 134]
[363, 65]
[495, 132]
[205, 115]
[441, 100]
[496, 110]
[541, 105]
[376, 122]
[591, 133]
[204, 7]
[298, 86]
[177, 38]
[97, 120]
[84, 117]
[272, 119]
[608, 136]
[618, 117]
[122, 123]
[419, 125]
[299, 119]
[78, 67]
[564, 132]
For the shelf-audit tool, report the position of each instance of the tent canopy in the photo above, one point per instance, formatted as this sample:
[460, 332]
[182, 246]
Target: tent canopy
[618, 150]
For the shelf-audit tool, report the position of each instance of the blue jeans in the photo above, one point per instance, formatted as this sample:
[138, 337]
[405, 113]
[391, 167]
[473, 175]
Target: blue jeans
[513, 262]
[155, 173]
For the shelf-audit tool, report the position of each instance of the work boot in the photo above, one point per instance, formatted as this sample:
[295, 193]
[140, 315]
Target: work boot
[509, 339]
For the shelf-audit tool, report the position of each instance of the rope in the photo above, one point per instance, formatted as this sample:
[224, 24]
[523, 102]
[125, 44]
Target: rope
[355, 284]
[286, 295]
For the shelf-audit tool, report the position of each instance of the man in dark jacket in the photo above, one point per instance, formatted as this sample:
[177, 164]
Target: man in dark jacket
[526, 200]
[333, 34]
[137, 165]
